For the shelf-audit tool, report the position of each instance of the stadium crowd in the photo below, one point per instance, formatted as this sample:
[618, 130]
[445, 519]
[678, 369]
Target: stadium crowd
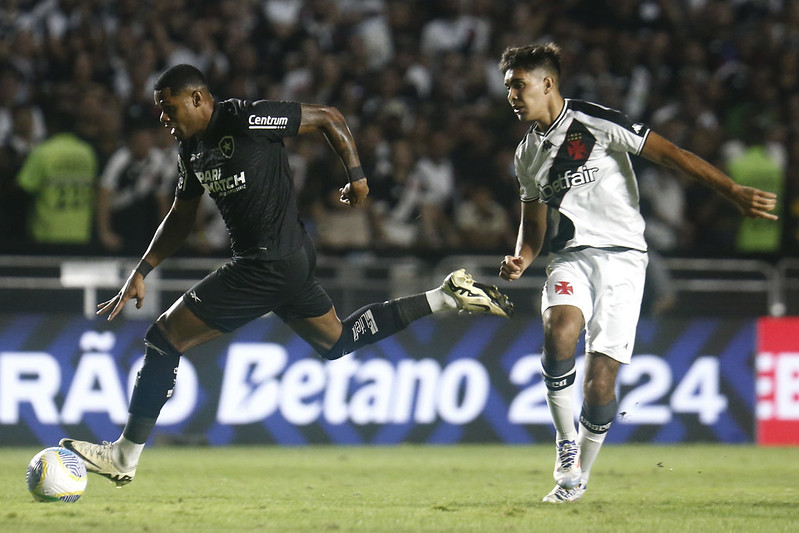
[418, 83]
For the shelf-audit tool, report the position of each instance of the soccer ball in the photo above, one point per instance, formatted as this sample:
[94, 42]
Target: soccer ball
[56, 474]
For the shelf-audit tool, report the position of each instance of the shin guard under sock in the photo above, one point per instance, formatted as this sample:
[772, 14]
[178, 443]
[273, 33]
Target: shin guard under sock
[156, 379]
[559, 378]
[595, 421]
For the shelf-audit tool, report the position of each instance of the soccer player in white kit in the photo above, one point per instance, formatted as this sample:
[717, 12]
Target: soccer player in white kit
[574, 161]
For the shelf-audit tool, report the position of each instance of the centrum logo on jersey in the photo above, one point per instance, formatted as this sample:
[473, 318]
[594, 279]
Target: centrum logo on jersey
[268, 122]
[572, 178]
[213, 182]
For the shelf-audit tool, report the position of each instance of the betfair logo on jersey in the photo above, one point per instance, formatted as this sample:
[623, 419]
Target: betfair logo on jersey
[213, 182]
[572, 178]
[268, 122]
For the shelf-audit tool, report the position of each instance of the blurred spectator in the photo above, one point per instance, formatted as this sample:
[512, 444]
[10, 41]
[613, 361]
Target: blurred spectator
[663, 208]
[758, 163]
[339, 227]
[660, 295]
[13, 200]
[10, 97]
[431, 189]
[135, 191]
[60, 175]
[454, 30]
[483, 223]
[393, 210]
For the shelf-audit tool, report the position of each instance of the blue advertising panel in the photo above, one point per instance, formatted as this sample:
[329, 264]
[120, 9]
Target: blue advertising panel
[451, 380]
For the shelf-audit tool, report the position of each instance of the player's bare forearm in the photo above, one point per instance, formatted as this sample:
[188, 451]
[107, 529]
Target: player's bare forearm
[530, 239]
[173, 231]
[333, 126]
[167, 239]
[750, 201]
[532, 229]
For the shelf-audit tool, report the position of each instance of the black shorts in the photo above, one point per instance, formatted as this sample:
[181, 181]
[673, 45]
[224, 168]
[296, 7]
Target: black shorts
[245, 288]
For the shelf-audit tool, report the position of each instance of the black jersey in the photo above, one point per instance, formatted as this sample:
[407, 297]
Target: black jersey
[240, 159]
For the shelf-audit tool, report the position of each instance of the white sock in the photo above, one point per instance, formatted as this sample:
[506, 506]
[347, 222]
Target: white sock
[127, 453]
[440, 300]
[590, 443]
[561, 408]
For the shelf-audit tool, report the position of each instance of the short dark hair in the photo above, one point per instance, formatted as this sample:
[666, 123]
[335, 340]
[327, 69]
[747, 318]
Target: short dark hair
[181, 77]
[531, 57]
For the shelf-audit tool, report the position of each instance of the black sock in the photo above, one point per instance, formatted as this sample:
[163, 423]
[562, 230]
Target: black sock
[156, 379]
[377, 321]
[138, 428]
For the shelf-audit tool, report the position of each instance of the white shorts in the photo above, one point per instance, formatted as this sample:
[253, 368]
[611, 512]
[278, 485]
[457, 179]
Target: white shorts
[607, 286]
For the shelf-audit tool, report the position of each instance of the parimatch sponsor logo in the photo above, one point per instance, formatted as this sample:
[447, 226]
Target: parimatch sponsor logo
[214, 183]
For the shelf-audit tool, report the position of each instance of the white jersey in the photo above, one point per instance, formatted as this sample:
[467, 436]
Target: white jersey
[581, 168]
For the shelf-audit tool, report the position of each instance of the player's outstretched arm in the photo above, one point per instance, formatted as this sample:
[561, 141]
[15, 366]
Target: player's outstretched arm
[167, 239]
[532, 228]
[332, 124]
[751, 202]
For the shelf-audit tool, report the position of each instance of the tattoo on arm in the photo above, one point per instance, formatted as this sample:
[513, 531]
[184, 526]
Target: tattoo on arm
[333, 126]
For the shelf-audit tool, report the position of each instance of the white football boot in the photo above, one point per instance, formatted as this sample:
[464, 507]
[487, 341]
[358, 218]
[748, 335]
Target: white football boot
[561, 495]
[99, 459]
[567, 464]
[474, 297]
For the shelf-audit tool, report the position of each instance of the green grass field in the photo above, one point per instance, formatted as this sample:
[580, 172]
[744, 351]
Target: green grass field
[702, 488]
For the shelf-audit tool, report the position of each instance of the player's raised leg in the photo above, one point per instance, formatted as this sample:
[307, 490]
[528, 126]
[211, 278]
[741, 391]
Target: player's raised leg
[458, 292]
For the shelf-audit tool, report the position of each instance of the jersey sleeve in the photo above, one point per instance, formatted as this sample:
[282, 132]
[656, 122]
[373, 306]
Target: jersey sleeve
[528, 190]
[625, 135]
[269, 119]
[188, 186]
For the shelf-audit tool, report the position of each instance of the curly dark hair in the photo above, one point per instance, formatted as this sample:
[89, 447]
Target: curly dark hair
[181, 77]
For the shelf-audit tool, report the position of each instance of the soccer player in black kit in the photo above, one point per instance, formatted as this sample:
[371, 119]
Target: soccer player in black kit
[233, 149]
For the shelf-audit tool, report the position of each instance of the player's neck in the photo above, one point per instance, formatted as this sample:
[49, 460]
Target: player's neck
[554, 108]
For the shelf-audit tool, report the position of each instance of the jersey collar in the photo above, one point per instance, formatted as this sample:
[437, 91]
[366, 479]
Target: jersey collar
[555, 123]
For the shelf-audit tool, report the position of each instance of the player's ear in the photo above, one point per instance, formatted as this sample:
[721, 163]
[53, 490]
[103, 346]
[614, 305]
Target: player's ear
[549, 84]
[196, 97]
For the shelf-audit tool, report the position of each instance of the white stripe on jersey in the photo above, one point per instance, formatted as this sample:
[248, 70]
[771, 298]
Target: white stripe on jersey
[581, 167]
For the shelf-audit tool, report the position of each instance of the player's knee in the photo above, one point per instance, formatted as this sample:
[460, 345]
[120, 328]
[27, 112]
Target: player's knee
[560, 343]
[156, 339]
[599, 385]
[337, 351]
